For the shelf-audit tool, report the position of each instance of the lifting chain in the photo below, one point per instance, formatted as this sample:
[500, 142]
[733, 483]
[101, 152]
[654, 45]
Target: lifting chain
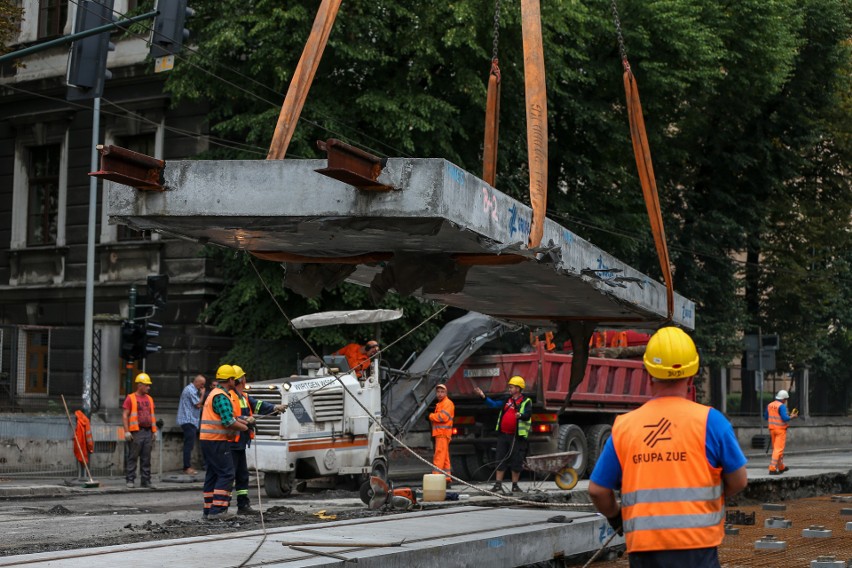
[496, 30]
[621, 49]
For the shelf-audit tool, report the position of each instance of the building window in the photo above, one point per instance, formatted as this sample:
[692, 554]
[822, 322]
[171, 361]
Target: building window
[52, 15]
[43, 195]
[38, 361]
[144, 144]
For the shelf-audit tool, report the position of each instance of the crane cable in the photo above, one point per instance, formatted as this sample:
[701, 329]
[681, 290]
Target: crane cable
[642, 153]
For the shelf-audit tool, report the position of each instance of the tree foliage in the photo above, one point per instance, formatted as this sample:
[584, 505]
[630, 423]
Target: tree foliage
[10, 22]
[746, 103]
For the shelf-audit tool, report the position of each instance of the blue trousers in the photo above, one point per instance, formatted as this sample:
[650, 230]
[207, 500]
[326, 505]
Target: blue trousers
[219, 477]
[694, 558]
[190, 433]
[241, 477]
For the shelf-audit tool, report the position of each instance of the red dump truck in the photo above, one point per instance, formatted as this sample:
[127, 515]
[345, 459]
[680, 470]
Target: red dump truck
[610, 387]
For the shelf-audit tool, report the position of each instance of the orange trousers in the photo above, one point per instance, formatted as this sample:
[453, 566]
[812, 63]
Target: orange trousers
[779, 440]
[442, 455]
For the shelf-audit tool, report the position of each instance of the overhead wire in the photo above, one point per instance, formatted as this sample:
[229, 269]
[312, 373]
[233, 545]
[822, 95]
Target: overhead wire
[189, 61]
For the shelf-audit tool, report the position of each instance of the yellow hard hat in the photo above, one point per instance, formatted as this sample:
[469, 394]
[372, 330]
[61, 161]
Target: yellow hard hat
[225, 372]
[143, 378]
[518, 382]
[238, 373]
[671, 355]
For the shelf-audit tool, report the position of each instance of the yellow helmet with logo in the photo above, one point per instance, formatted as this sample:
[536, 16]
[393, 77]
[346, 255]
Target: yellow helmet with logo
[518, 382]
[671, 355]
[238, 373]
[225, 372]
[143, 378]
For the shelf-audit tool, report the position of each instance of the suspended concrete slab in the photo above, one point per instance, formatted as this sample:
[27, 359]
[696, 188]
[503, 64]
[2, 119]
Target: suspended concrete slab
[433, 230]
[462, 536]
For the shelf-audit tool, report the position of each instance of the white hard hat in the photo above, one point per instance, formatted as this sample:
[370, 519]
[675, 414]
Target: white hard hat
[782, 395]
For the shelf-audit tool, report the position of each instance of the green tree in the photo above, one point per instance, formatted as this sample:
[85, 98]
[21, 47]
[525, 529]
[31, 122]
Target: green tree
[10, 23]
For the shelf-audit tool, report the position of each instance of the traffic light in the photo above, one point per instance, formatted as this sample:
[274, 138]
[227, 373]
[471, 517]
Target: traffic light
[132, 341]
[87, 62]
[152, 331]
[169, 32]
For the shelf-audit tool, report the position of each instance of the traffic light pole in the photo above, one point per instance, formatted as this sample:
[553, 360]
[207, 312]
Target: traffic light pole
[88, 318]
[131, 316]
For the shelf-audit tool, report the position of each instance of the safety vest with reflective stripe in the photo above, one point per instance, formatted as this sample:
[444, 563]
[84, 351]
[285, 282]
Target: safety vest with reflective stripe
[133, 419]
[671, 497]
[524, 426]
[442, 419]
[211, 422]
[773, 410]
[241, 402]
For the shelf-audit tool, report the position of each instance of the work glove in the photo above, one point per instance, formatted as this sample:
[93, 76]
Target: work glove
[280, 408]
[250, 421]
[617, 523]
[128, 437]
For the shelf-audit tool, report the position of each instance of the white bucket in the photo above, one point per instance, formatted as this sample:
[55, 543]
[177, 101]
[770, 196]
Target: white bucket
[434, 487]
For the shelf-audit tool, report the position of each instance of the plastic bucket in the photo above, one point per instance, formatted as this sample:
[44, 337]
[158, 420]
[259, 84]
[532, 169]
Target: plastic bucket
[434, 487]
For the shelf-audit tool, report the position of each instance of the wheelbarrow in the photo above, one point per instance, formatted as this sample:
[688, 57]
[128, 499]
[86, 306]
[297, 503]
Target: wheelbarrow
[558, 465]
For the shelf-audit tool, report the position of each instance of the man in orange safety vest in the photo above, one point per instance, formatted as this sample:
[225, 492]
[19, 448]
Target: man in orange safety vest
[674, 461]
[442, 430]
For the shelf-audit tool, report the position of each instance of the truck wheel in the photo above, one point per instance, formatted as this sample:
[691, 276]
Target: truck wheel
[571, 439]
[278, 485]
[474, 467]
[596, 437]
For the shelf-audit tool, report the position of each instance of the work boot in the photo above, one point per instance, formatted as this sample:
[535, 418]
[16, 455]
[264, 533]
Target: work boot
[774, 472]
[247, 511]
[516, 488]
[784, 470]
[130, 485]
[147, 486]
[498, 488]
[223, 516]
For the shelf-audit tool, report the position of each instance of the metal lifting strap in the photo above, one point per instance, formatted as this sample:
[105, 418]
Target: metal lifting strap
[642, 153]
[492, 110]
[536, 102]
[300, 84]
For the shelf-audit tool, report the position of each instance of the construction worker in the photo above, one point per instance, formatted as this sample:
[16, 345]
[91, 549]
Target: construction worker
[513, 428]
[777, 417]
[219, 426]
[442, 430]
[140, 427]
[674, 461]
[248, 407]
[84, 445]
[359, 356]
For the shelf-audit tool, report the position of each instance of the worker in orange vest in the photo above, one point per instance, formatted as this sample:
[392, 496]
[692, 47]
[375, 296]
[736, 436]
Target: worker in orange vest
[442, 430]
[219, 429]
[674, 462]
[84, 445]
[777, 417]
[140, 427]
[359, 356]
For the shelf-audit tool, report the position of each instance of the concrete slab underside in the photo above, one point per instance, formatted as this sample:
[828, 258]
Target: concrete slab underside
[465, 536]
[437, 213]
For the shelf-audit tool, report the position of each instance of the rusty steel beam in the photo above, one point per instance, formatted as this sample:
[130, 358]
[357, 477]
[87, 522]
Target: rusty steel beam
[130, 168]
[352, 165]
[300, 84]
